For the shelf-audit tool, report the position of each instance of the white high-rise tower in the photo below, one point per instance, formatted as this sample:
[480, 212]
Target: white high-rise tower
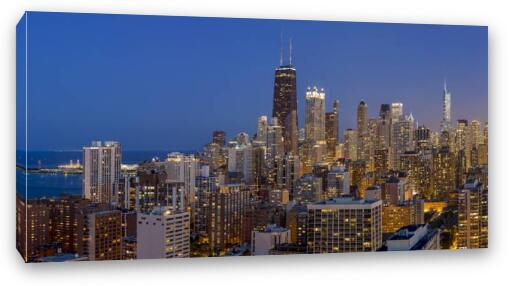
[101, 171]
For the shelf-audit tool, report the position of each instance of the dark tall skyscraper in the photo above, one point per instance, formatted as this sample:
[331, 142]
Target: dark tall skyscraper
[384, 127]
[332, 129]
[285, 103]
[218, 137]
[362, 130]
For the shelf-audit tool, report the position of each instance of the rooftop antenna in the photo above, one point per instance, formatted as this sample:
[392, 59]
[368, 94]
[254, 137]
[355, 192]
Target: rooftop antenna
[290, 51]
[281, 49]
[445, 84]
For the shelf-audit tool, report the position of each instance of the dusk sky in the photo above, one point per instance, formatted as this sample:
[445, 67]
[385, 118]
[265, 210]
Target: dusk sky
[165, 83]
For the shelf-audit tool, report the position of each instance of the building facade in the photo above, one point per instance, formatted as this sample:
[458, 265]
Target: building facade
[344, 225]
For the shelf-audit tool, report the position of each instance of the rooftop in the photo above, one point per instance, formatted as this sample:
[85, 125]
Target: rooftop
[406, 232]
[272, 228]
[346, 201]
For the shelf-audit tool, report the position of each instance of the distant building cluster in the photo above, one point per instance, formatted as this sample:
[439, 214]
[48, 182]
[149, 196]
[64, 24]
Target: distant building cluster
[390, 184]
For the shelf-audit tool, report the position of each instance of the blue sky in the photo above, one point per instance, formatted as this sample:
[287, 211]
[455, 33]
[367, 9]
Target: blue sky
[165, 83]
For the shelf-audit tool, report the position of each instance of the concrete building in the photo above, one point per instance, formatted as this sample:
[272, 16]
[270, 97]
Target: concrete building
[101, 171]
[373, 193]
[315, 114]
[296, 222]
[103, 235]
[396, 216]
[182, 168]
[350, 144]
[338, 182]
[414, 237]
[308, 189]
[344, 225]
[267, 238]
[163, 233]
[473, 216]
[226, 218]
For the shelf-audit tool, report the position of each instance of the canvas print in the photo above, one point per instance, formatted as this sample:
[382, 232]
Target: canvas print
[145, 137]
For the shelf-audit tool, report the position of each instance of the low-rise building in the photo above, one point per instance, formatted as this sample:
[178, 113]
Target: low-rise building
[414, 237]
[267, 238]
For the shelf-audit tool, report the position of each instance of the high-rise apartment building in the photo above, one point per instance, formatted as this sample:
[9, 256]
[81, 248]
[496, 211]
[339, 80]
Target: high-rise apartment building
[350, 144]
[32, 226]
[308, 189]
[399, 215]
[103, 234]
[182, 168]
[275, 143]
[418, 167]
[226, 219]
[296, 222]
[473, 215]
[443, 174]
[240, 160]
[403, 140]
[344, 225]
[163, 233]
[338, 182]
[101, 171]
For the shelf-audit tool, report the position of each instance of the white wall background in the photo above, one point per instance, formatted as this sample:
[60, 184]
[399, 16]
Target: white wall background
[424, 268]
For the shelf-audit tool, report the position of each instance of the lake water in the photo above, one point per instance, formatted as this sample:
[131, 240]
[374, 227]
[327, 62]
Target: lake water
[52, 185]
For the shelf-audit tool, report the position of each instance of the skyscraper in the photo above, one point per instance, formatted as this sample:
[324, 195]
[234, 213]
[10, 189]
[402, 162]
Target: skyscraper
[396, 115]
[350, 144]
[261, 129]
[226, 218]
[315, 114]
[285, 103]
[275, 144]
[384, 127]
[182, 168]
[396, 111]
[218, 137]
[403, 139]
[445, 125]
[473, 216]
[101, 171]
[332, 129]
[362, 130]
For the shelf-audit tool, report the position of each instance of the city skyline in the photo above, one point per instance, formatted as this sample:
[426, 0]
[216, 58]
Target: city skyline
[394, 183]
[346, 73]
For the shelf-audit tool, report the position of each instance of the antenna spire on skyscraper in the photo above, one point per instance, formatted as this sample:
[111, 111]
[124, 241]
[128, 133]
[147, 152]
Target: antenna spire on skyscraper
[281, 49]
[290, 57]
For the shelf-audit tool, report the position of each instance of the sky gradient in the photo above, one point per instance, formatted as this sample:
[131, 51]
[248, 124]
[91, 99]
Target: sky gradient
[165, 83]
